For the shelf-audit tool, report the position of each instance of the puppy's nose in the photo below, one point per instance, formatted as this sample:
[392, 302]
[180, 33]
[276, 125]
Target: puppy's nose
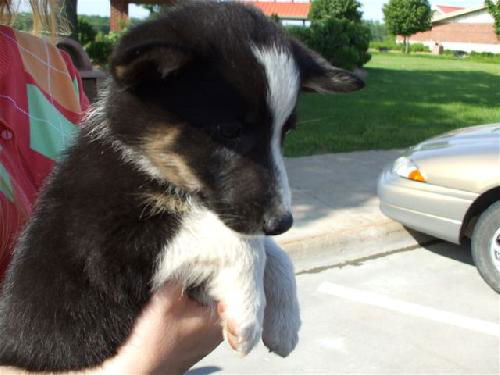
[277, 224]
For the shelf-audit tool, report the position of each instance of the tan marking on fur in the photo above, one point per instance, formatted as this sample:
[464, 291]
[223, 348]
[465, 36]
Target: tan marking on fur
[172, 166]
[120, 71]
[159, 203]
[167, 60]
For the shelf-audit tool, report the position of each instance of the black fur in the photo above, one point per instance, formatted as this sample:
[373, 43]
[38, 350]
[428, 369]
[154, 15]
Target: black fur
[82, 271]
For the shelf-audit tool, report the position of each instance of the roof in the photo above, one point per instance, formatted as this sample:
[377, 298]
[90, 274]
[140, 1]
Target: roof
[446, 9]
[457, 13]
[283, 10]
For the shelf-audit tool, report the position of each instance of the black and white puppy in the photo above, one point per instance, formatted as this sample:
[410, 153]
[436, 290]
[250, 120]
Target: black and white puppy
[177, 175]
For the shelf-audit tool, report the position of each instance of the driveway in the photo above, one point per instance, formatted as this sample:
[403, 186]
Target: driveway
[424, 310]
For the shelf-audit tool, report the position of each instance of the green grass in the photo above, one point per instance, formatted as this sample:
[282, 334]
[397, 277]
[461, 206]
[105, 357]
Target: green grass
[407, 99]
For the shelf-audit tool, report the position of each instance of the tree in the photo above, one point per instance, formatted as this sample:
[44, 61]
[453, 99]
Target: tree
[23, 21]
[342, 42]
[494, 9]
[156, 9]
[69, 9]
[275, 18]
[337, 33]
[99, 23]
[86, 32]
[378, 30]
[340, 9]
[153, 9]
[407, 17]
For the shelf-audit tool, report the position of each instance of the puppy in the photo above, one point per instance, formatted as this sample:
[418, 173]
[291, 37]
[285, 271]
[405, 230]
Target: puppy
[177, 175]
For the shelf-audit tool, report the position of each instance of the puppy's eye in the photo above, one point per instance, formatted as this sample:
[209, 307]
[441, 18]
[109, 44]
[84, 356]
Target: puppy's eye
[230, 131]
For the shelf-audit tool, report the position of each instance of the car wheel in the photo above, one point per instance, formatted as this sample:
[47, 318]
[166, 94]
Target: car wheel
[486, 246]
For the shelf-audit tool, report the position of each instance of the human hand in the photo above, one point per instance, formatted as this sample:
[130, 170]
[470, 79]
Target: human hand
[172, 334]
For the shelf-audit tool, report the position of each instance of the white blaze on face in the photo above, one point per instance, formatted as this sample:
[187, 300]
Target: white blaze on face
[283, 85]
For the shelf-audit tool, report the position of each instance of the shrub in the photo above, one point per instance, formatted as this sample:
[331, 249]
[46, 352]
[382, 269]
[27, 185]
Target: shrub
[343, 43]
[100, 49]
[416, 47]
[275, 18]
[480, 57]
[339, 9]
[389, 44]
[86, 32]
[301, 33]
[485, 57]
[448, 53]
[337, 33]
[484, 54]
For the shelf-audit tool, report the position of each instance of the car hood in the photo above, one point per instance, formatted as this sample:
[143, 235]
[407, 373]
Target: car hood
[474, 134]
[465, 159]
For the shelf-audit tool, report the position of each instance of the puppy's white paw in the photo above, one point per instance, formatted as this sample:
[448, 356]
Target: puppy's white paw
[242, 334]
[242, 337]
[281, 328]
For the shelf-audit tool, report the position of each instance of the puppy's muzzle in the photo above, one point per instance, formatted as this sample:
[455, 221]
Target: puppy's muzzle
[277, 224]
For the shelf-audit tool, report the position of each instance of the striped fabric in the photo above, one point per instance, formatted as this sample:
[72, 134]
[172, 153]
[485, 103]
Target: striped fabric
[41, 103]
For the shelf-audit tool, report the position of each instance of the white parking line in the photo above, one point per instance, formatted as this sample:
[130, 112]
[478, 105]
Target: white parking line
[408, 308]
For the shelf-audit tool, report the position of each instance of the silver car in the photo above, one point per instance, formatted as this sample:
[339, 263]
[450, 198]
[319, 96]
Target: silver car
[449, 187]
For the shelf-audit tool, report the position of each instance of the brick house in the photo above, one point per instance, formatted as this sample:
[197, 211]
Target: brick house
[293, 12]
[471, 29]
[444, 9]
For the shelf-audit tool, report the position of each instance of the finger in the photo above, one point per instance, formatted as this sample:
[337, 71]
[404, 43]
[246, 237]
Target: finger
[221, 308]
[231, 335]
[231, 328]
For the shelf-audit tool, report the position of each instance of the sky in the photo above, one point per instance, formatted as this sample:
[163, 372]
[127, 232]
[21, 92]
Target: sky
[372, 8]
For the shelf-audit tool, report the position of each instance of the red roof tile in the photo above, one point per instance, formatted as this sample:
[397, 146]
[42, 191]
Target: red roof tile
[283, 10]
[446, 9]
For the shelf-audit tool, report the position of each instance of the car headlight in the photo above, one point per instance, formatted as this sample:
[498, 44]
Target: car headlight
[406, 168]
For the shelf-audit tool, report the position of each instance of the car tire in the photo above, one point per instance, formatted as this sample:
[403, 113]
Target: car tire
[486, 246]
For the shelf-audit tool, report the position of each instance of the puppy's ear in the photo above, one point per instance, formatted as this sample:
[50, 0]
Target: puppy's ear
[145, 62]
[320, 76]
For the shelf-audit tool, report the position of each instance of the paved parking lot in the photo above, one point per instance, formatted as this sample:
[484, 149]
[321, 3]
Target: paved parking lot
[424, 310]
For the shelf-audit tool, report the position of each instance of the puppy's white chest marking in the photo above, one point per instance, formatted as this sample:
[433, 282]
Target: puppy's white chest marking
[203, 247]
[229, 265]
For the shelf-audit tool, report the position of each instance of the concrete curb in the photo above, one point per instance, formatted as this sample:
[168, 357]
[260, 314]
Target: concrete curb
[324, 250]
[336, 210]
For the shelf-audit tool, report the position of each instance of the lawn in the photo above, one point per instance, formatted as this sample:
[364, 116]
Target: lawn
[407, 99]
